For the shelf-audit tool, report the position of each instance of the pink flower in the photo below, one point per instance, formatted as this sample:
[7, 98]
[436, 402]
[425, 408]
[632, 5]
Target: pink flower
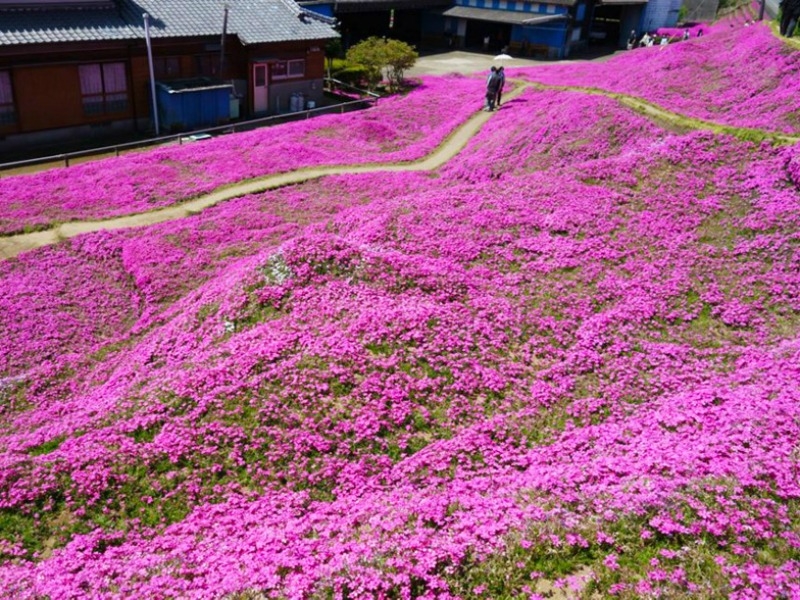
[610, 561]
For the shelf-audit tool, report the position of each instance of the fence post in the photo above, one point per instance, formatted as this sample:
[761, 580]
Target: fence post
[66, 160]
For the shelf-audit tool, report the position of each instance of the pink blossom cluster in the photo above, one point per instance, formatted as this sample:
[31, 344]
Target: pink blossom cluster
[397, 129]
[738, 76]
[577, 343]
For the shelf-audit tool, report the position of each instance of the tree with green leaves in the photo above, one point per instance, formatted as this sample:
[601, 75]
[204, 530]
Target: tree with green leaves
[333, 49]
[369, 54]
[399, 58]
[376, 54]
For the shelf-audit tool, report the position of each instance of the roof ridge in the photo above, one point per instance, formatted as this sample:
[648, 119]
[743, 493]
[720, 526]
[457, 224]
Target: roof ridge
[253, 21]
[18, 8]
[292, 5]
[332, 21]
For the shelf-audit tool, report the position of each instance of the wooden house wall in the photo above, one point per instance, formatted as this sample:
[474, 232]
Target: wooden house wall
[47, 97]
[46, 83]
[238, 59]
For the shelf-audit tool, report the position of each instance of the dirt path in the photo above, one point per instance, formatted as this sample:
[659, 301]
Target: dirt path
[13, 245]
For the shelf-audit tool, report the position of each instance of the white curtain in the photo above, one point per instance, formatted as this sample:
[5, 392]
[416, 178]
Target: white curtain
[91, 80]
[114, 77]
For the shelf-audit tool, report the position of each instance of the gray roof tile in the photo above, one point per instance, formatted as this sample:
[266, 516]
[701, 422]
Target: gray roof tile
[41, 26]
[253, 21]
[502, 16]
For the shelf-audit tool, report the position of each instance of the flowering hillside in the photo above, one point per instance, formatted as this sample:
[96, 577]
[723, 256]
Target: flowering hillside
[743, 76]
[567, 360]
[395, 130]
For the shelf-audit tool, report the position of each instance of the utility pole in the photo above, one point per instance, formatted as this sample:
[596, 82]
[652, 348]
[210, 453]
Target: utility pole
[146, 18]
[222, 44]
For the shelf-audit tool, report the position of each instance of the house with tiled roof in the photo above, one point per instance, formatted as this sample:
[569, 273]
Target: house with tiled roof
[546, 28]
[543, 28]
[82, 67]
[532, 28]
[417, 22]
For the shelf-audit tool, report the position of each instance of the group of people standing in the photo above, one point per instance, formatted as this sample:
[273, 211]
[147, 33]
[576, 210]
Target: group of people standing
[494, 87]
[651, 40]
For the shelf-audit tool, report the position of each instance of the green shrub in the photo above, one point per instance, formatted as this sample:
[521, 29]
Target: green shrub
[352, 74]
[383, 56]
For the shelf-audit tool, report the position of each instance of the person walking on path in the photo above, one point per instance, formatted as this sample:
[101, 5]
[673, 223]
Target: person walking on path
[492, 83]
[501, 74]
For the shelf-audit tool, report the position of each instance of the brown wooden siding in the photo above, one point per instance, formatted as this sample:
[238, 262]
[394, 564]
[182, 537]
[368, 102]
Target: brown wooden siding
[47, 86]
[49, 97]
[39, 106]
[140, 86]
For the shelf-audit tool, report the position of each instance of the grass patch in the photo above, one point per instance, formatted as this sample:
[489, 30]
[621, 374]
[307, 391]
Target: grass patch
[48, 446]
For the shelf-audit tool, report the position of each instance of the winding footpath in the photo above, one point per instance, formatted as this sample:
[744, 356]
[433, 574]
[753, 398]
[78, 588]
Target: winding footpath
[12, 245]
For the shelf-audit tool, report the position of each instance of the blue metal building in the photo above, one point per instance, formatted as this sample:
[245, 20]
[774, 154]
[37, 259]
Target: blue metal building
[534, 28]
[549, 28]
[189, 104]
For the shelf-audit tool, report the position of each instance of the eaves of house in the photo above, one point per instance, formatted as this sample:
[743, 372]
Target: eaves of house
[349, 6]
[503, 16]
[47, 25]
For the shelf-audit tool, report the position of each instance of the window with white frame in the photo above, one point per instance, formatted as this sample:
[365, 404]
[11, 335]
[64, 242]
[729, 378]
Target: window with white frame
[296, 68]
[104, 88]
[7, 112]
[288, 69]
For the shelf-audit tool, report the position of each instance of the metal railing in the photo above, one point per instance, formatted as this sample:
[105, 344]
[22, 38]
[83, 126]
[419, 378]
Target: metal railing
[365, 98]
[334, 85]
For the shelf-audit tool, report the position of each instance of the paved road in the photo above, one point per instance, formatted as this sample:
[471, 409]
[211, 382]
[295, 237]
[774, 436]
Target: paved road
[465, 63]
[771, 9]
[462, 62]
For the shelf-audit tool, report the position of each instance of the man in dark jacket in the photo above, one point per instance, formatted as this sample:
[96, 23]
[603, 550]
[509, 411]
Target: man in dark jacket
[790, 11]
[492, 84]
[501, 74]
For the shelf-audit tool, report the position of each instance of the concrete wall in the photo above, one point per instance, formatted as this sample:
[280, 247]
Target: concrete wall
[280, 94]
[701, 10]
[661, 13]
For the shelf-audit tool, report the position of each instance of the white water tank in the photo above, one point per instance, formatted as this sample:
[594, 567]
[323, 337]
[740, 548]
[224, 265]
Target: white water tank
[296, 102]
